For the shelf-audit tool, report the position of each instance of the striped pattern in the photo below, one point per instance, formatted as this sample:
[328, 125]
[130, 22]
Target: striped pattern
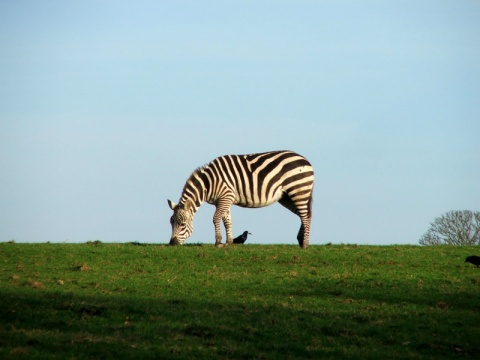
[254, 180]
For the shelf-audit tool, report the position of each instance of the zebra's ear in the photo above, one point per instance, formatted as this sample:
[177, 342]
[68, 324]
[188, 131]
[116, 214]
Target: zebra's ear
[172, 204]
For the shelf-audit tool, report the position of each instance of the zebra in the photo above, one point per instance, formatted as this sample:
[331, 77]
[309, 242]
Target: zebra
[251, 181]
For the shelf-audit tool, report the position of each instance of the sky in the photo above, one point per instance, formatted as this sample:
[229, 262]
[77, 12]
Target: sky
[106, 108]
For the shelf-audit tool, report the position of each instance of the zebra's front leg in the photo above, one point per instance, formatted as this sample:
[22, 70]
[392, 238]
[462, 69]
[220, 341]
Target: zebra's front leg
[218, 232]
[222, 213]
[227, 222]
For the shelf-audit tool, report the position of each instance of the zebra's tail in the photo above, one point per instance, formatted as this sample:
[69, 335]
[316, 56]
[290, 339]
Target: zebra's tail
[310, 204]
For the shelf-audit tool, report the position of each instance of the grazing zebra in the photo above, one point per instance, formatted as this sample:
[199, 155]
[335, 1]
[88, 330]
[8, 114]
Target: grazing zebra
[252, 181]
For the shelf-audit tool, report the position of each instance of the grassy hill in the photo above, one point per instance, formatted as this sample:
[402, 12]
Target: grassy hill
[111, 301]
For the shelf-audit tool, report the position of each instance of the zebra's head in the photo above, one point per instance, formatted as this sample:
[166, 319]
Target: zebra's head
[182, 222]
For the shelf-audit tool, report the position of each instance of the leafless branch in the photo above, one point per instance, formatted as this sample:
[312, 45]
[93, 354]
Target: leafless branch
[454, 228]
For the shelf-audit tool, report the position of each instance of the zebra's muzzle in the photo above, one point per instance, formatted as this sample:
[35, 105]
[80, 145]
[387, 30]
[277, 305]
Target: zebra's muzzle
[174, 242]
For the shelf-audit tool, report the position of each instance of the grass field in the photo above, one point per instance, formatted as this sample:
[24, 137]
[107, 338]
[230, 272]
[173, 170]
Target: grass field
[111, 301]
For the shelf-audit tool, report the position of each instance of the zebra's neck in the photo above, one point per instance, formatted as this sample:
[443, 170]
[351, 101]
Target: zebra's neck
[194, 191]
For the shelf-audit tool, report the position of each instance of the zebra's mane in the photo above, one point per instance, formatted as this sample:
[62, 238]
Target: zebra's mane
[196, 173]
[186, 194]
[199, 170]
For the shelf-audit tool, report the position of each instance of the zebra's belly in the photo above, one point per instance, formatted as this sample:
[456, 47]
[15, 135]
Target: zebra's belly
[259, 201]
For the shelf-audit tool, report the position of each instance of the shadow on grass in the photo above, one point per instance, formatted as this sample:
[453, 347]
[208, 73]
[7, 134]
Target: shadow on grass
[56, 325]
[422, 295]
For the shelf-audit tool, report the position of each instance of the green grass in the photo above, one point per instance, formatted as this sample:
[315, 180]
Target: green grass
[110, 301]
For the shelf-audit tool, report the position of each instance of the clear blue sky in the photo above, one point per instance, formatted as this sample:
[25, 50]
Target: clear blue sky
[106, 108]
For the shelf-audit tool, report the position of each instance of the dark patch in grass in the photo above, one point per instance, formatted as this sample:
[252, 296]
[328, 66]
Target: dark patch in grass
[199, 331]
[83, 267]
[35, 284]
[177, 302]
[136, 243]
[82, 308]
[91, 311]
[94, 243]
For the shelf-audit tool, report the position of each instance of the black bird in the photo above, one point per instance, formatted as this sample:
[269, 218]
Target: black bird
[242, 238]
[475, 260]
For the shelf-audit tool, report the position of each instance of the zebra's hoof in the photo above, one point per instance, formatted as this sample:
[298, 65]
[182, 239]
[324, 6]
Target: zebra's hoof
[219, 245]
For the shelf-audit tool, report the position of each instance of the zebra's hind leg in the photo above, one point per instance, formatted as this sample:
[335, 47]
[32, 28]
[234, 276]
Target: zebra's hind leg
[303, 236]
[287, 202]
[300, 235]
[304, 232]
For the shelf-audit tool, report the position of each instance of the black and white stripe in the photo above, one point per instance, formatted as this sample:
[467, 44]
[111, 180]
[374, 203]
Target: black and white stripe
[252, 181]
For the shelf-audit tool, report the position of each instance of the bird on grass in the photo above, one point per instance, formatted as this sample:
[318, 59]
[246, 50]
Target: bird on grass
[475, 260]
[242, 238]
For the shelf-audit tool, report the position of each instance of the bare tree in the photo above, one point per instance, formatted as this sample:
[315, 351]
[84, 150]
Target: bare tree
[454, 228]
